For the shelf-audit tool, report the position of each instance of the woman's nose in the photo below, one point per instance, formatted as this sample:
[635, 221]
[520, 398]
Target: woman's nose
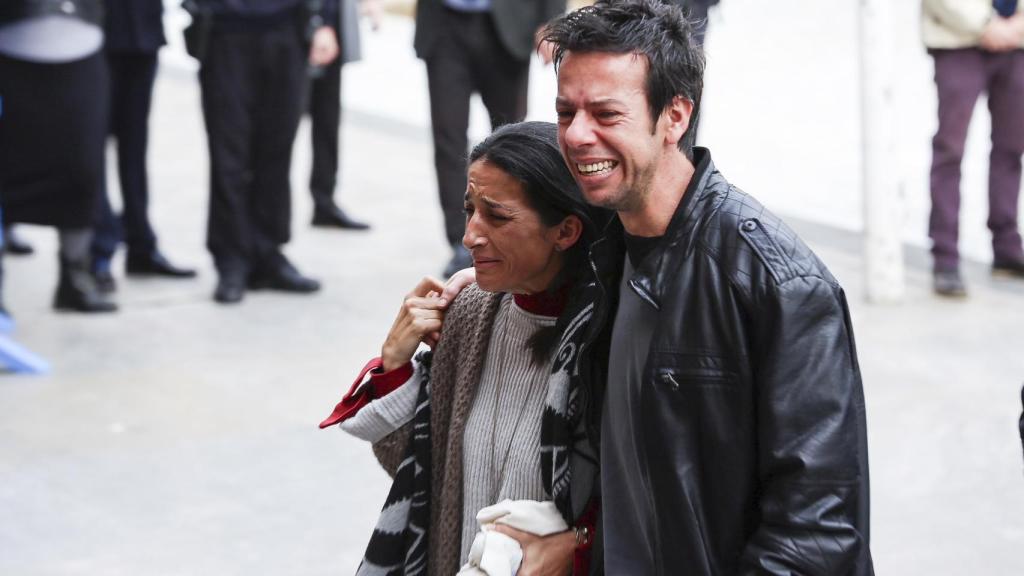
[472, 237]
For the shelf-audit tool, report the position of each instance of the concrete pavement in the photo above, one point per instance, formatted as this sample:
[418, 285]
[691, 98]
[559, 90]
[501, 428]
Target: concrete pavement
[179, 437]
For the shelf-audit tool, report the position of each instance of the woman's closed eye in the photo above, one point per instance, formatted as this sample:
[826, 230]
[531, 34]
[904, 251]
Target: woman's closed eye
[489, 214]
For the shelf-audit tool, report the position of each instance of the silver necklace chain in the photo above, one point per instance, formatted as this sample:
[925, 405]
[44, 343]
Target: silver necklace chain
[498, 476]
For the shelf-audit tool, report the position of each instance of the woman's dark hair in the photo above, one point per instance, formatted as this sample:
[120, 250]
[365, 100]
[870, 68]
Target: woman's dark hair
[529, 152]
[656, 29]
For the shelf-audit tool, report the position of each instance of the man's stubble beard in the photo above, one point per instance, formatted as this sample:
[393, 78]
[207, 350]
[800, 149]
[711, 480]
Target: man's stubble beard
[634, 198]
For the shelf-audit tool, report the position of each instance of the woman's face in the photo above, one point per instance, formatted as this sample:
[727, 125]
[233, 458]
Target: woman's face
[513, 251]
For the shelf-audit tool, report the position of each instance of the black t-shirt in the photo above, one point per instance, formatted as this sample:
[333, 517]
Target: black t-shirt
[626, 501]
[638, 247]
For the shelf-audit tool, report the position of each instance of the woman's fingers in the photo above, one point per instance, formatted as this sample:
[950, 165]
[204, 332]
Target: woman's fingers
[426, 321]
[423, 303]
[427, 285]
[432, 339]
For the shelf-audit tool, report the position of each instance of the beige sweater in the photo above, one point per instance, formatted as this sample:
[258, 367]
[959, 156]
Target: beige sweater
[955, 23]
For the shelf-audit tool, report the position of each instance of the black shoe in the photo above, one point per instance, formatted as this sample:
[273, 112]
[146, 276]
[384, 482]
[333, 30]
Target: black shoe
[1011, 268]
[284, 277]
[155, 264]
[460, 259]
[334, 217]
[104, 280]
[77, 292]
[949, 283]
[13, 244]
[230, 289]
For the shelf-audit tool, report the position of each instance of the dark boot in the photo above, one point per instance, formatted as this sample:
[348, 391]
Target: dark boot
[77, 292]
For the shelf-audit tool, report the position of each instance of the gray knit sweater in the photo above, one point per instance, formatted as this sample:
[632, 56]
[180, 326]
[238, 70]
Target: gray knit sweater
[501, 446]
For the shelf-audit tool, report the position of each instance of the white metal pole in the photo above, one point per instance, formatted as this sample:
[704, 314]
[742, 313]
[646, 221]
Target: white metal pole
[882, 188]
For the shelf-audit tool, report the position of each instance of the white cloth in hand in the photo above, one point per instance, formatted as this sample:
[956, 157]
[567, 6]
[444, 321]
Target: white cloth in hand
[495, 554]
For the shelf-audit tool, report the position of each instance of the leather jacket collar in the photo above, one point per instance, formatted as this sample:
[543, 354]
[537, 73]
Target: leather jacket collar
[608, 252]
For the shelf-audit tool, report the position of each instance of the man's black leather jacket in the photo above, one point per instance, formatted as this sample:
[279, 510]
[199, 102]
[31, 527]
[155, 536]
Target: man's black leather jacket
[753, 440]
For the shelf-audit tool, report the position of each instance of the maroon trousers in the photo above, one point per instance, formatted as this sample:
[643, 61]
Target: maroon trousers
[961, 76]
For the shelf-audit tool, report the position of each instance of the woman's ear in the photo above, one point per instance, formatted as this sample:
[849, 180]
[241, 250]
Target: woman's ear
[568, 232]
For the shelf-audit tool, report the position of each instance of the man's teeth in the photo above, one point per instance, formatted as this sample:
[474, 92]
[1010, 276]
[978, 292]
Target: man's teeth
[595, 167]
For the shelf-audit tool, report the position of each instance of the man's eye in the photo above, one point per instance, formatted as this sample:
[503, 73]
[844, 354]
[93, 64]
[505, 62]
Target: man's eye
[607, 115]
[468, 208]
[564, 115]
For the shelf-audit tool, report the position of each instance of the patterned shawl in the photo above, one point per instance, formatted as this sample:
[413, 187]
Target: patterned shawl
[400, 542]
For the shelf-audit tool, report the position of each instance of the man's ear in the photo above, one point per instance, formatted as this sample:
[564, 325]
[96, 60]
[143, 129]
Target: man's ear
[676, 119]
[568, 233]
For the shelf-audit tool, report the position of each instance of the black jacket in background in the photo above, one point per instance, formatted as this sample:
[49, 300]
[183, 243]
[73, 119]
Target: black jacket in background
[134, 25]
[753, 437]
[516, 22]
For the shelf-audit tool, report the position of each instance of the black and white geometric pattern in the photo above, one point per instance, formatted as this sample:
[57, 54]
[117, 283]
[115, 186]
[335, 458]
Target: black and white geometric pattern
[399, 544]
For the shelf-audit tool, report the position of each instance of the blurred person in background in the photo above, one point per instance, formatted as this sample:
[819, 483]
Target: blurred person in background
[254, 58]
[53, 86]
[469, 46]
[1020, 423]
[976, 46]
[134, 35]
[325, 117]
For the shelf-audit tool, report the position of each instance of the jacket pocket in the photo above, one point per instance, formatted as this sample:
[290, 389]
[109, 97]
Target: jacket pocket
[677, 371]
[676, 379]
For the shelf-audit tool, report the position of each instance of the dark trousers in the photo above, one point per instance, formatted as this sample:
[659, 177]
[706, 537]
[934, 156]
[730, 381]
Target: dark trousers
[52, 133]
[253, 85]
[961, 76]
[470, 58]
[325, 120]
[131, 94]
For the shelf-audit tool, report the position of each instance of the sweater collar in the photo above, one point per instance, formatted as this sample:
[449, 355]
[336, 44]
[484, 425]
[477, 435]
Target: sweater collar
[544, 303]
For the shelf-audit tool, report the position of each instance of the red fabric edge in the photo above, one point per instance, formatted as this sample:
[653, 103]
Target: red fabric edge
[380, 384]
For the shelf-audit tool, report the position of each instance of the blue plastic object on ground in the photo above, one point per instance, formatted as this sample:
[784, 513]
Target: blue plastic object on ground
[20, 360]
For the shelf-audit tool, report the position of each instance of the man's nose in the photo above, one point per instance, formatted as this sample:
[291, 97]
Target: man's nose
[579, 132]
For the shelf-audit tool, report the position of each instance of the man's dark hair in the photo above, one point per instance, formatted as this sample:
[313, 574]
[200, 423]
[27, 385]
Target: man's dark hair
[651, 28]
[529, 152]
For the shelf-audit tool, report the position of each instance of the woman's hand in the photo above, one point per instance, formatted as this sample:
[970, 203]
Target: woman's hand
[420, 316]
[543, 555]
[455, 284]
